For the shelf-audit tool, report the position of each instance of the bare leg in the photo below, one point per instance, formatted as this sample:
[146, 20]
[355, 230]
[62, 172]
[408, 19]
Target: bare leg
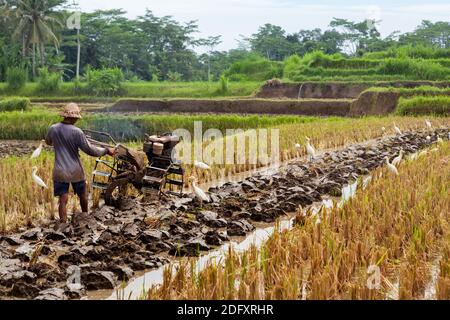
[84, 201]
[63, 207]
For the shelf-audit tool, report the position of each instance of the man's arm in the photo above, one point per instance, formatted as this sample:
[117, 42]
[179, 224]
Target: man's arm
[89, 149]
[48, 137]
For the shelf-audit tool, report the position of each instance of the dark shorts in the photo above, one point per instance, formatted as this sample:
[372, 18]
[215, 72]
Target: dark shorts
[61, 188]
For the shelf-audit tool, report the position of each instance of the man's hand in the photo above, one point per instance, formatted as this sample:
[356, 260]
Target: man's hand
[111, 151]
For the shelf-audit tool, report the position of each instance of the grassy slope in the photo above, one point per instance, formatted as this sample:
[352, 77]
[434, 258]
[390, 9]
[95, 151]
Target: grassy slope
[422, 105]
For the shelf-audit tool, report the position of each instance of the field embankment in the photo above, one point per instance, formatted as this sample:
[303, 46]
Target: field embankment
[421, 100]
[311, 107]
[335, 89]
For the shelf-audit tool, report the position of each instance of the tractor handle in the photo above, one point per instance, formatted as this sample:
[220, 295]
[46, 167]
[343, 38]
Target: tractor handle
[101, 133]
[100, 144]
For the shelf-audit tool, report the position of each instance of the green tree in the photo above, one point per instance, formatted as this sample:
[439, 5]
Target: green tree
[36, 22]
[270, 41]
[356, 36]
[210, 43]
[429, 34]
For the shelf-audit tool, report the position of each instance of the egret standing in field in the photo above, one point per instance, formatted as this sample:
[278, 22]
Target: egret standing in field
[397, 129]
[398, 159]
[428, 123]
[38, 151]
[310, 149]
[391, 167]
[200, 194]
[37, 179]
[201, 165]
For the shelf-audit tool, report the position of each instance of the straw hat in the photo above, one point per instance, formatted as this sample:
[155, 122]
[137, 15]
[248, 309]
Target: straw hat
[71, 110]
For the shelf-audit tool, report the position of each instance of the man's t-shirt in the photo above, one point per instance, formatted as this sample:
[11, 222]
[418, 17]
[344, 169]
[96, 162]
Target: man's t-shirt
[67, 140]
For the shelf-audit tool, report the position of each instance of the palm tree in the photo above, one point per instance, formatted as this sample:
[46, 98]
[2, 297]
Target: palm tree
[36, 23]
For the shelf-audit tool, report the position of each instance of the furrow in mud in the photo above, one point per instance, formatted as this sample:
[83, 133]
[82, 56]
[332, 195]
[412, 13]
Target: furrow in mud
[17, 148]
[109, 245]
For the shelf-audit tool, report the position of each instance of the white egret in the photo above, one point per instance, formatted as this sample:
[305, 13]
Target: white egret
[428, 123]
[201, 165]
[201, 195]
[391, 167]
[398, 159]
[37, 179]
[428, 138]
[397, 129]
[310, 149]
[38, 151]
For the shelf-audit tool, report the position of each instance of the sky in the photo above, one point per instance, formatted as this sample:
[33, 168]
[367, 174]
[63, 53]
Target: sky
[232, 18]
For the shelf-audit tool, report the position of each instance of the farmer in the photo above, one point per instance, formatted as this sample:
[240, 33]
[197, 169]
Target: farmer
[67, 140]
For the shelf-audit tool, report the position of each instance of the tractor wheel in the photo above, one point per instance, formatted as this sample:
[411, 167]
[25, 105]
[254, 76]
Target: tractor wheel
[115, 192]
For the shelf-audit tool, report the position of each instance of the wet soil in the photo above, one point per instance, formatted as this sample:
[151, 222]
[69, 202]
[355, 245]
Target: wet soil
[17, 147]
[100, 250]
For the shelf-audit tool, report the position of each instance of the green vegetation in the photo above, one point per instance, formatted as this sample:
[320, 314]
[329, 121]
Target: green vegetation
[76, 91]
[105, 82]
[410, 92]
[152, 48]
[16, 78]
[414, 69]
[223, 85]
[439, 105]
[48, 82]
[410, 51]
[14, 104]
[33, 125]
[255, 68]
[317, 65]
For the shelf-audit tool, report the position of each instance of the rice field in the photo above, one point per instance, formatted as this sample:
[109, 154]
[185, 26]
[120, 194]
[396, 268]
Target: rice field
[294, 166]
[390, 241]
[22, 203]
